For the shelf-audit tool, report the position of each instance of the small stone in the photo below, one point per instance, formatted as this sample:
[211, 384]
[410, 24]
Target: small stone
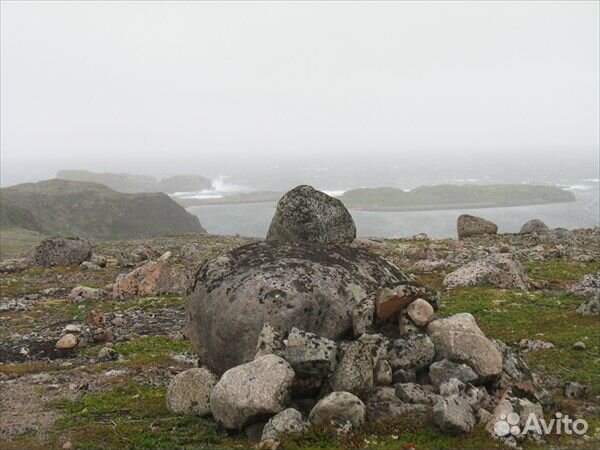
[72, 328]
[67, 445]
[189, 392]
[362, 317]
[102, 335]
[94, 318]
[382, 373]
[579, 346]
[453, 415]
[287, 421]
[107, 354]
[66, 342]
[118, 322]
[420, 312]
[574, 389]
[338, 408]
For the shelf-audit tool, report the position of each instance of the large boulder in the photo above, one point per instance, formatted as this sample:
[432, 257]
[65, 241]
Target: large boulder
[498, 269]
[533, 226]
[58, 251]
[307, 215]
[312, 287]
[153, 278]
[467, 225]
[252, 391]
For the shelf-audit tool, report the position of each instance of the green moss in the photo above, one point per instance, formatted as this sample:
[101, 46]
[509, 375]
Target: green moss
[513, 315]
[131, 416]
[559, 272]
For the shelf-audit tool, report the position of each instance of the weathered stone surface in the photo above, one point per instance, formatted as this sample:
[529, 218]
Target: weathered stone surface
[590, 308]
[311, 287]
[309, 354]
[153, 278]
[574, 389]
[420, 312]
[444, 370]
[499, 269]
[476, 351]
[390, 302]
[339, 408]
[588, 285]
[382, 375]
[189, 392]
[453, 415]
[457, 322]
[67, 341]
[414, 393]
[86, 293]
[269, 341]
[468, 225]
[533, 226]
[354, 373]
[252, 391]
[413, 351]
[307, 215]
[287, 421]
[383, 404]
[363, 315]
[58, 251]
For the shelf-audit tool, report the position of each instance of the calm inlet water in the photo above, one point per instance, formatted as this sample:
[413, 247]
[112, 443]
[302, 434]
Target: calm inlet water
[254, 219]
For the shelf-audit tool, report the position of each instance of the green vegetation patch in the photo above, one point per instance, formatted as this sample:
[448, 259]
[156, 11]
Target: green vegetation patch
[130, 416]
[559, 272]
[513, 315]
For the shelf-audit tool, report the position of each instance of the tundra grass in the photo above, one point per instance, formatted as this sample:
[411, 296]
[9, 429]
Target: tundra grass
[130, 416]
[514, 315]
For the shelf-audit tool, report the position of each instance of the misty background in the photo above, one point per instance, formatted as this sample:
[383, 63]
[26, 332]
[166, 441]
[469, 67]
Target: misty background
[268, 95]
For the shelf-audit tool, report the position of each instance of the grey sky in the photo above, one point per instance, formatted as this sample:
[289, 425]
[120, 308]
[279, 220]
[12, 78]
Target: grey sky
[89, 84]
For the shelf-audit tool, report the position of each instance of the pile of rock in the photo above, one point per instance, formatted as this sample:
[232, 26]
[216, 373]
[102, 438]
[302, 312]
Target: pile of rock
[307, 331]
[445, 367]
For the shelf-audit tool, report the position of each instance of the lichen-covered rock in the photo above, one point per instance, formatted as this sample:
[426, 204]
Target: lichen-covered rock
[309, 354]
[444, 370]
[590, 307]
[533, 226]
[363, 315]
[453, 415]
[413, 351]
[287, 421]
[58, 251]
[311, 287]
[354, 373]
[588, 285]
[467, 225]
[382, 374]
[269, 341]
[252, 391]
[415, 393]
[338, 408]
[153, 278]
[499, 269]
[307, 215]
[382, 404]
[189, 392]
[459, 339]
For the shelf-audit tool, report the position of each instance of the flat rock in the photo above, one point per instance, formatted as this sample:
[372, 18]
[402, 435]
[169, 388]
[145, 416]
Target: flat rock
[444, 370]
[499, 269]
[153, 278]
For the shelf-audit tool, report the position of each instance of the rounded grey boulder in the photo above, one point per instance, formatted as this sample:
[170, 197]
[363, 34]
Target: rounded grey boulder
[533, 225]
[467, 225]
[311, 287]
[58, 251]
[307, 215]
